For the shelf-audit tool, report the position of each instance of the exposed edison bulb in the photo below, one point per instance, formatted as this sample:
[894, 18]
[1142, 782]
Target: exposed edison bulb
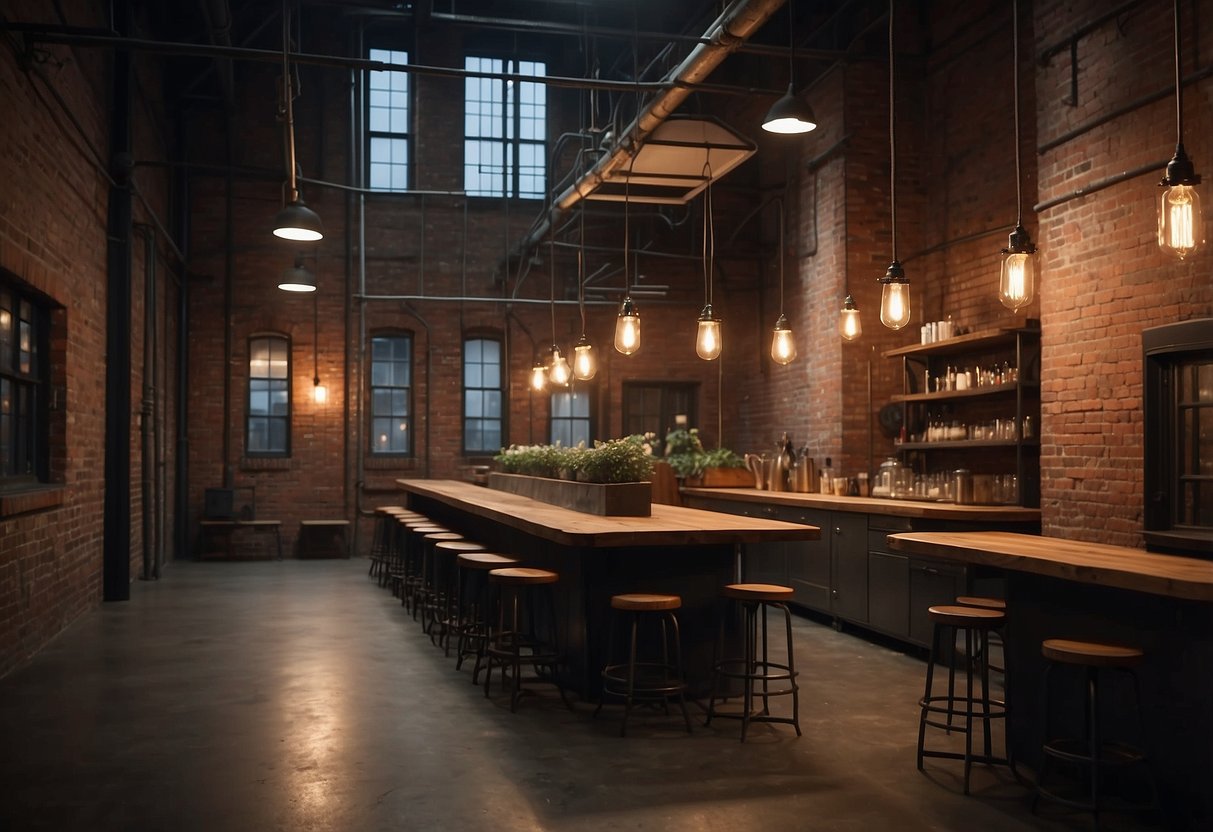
[585, 365]
[1180, 228]
[1017, 286]
[783, 345]
[539, 377]
[559, 373]
[850, 326]
[320, 393]
[895, 297]
[708, 341]
[627, 328]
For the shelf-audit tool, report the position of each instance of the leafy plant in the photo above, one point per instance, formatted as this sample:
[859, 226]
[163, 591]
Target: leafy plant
[534, 460]
[686, 454]
[619, 460]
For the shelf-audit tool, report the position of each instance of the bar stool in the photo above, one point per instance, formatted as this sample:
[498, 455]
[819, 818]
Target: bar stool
[431, 586]
[393, 569]
[754, 600]
[412, 550]
[474, 604]
[525, 592]
[641, 677]
[1091, 752]
[380, 537]
[975, 623]
[446, 553]
[995, 635]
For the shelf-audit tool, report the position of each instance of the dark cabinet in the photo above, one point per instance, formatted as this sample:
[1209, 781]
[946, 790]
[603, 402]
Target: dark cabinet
[766, 563]
[848, 534]
[888, 593]
[809, 560]
[931, 582]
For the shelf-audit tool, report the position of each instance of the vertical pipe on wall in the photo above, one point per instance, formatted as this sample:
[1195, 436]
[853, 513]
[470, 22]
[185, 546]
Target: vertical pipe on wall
[116, 556]
[147, 408]
[181, 524]
[350, 174]
[356, 116]
[229, 254]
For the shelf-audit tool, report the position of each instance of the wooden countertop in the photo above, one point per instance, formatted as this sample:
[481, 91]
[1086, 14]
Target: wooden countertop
[873, 505]
[1073, 560]
[668, 525]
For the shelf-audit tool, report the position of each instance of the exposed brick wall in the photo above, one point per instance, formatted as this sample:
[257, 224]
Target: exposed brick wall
[53, 237]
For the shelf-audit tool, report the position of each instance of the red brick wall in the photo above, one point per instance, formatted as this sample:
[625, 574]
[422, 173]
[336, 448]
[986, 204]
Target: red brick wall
[53, 237]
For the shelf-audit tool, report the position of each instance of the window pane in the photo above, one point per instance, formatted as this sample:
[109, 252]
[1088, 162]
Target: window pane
[473, 374]
[491, 437]
[277, 439]
[560, 405]
[581, 405]
[473, 403]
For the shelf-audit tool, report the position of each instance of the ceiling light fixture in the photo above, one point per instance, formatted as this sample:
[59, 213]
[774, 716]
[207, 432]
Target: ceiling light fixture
[297, 278]
[708, 340]
[558, 370]
[783, 345]
[1017, 283]
[627, 323]
[1180, 227]
[585, 365]
[295, 221]
[850, 326]
[790, 114]
[895, 289]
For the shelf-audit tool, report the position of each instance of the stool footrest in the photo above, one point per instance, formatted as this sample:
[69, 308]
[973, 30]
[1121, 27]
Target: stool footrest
[981, 759]
[1110, 753]
[787, 674]
[994, 708]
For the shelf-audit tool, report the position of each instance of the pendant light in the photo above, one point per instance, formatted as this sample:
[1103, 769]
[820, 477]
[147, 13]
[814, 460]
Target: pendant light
[708, 340]
[849, 325]
[783, 345]
[1017, 284]
[627, 324]
[539, 376]
[585, 365]
[295, 221]
[1181, 229]
[895, 289]
[297, 278]
[320, 393]
[790, 114]
[558, 370]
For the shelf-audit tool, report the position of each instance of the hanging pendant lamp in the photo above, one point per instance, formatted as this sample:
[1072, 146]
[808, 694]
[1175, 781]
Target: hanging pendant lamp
[1181, 229]
[627, 323]
[850, 326]
[790, 114]
[1017, 283]
[297, 278]
[585, 365]
[783, 345]
[895, 289]
[708, 337]
[295, 221]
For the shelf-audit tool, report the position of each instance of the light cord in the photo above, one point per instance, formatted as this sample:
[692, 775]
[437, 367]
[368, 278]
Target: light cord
[782, 256]
[1015, 76]
[892, 139]
[1179, 88]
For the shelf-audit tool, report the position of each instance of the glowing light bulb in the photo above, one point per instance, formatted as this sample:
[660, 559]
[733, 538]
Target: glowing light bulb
[894, 297]
[320, 393]
[1180, 228]
[708, 341]
[559, 373]
[627, 328]
[850, 326]
[1017, 286]
[539, 377]
[585, 366]
[783, 345]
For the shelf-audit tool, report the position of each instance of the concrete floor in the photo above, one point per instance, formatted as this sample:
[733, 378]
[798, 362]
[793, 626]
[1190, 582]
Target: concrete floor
[297, 695]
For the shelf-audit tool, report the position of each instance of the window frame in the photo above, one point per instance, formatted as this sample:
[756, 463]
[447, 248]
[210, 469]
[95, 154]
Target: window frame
[248, 404]
[410, 451]
[37, 381]
[370, 134]
[574, 390]
[668, 406]
[502, 388]
[510, 138]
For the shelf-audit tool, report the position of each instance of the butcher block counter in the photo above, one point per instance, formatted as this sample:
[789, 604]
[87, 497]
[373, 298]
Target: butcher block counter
[680, 551]
[1162, 604]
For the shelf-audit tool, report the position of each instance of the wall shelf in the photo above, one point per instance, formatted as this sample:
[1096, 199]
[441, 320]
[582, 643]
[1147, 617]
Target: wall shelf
[961, 444]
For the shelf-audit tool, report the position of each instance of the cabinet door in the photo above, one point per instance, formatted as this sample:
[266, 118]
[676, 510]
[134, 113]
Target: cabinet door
[889, 593]
[931, 583]
[848, 535]
[809, 560]
[766, 563]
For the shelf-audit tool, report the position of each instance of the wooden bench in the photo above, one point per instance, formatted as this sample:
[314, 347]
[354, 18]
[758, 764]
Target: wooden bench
[324, 539]
[231, 528]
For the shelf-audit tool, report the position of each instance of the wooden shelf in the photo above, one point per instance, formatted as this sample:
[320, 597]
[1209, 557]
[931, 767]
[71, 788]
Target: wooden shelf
[973, 392]
[968, 342]
[960, 444]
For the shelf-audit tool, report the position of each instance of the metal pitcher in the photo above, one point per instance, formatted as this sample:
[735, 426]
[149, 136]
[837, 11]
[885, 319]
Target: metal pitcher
[758, 467]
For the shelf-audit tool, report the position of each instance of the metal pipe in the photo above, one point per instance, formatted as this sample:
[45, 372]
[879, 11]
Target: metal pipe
[360, 349]
[737, 23]
[1100, 184]
[181, 505]
[1043, 56]
[147, 408]
[1124, 109]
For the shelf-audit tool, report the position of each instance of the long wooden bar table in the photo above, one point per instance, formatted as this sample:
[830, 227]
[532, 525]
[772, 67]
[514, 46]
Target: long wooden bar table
[1163, 604]
[683, 551]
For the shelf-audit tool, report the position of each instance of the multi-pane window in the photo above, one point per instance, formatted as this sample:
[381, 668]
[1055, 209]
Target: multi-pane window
[1194, 453]
[269, 396]
[657, 407]
[391, 394]
[388, 123]
[570, 420]
[24, 387]
[482, 396]
[505, 127]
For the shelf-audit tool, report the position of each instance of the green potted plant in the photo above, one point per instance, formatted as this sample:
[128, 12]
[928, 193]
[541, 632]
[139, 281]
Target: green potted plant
[612, 478]
[719, 467]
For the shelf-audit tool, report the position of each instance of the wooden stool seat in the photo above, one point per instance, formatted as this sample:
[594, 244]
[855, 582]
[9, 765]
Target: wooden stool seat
[966, 617]
[758, 592]
[458, 546]
[439, 537]
[981, 601]
[1089, 653]
[478, 559]
[386, 509]
[645, 602]
[523, 576]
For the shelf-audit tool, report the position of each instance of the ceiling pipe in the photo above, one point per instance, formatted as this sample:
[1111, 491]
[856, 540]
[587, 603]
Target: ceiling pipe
[735, 25]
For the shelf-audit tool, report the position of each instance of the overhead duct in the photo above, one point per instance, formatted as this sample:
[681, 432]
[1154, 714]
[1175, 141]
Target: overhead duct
[677, 161]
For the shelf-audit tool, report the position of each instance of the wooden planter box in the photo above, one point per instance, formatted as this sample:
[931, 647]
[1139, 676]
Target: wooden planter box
[723, 478]
[622, 499]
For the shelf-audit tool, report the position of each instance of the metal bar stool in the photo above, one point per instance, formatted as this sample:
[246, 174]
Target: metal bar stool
[975, 623]
[432, 599]
[413, 550]
[446, 554]
[526, 596]
[393, 568]
[1091, 753]
[640, 677]
[754, 600]
[380, 537]
[995, 635]
[474, 608]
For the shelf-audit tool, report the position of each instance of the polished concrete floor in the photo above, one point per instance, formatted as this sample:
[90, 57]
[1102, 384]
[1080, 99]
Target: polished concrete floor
[297, 695]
